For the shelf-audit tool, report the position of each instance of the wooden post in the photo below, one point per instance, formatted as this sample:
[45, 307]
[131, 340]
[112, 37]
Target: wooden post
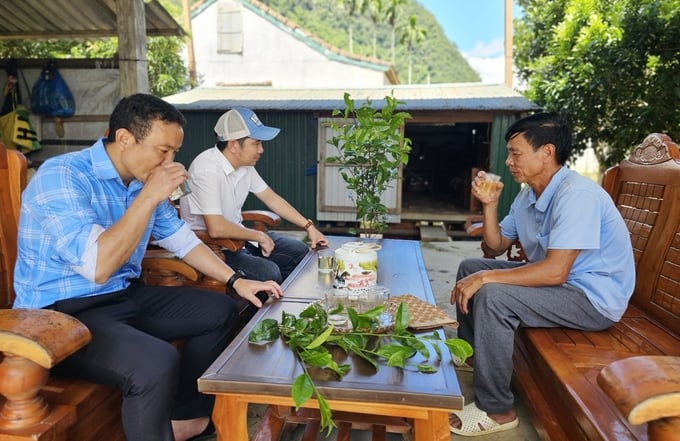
[133, 63]
[191, 60]
[508, 43]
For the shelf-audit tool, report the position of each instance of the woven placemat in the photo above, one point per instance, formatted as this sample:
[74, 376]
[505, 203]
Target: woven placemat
[424, 315]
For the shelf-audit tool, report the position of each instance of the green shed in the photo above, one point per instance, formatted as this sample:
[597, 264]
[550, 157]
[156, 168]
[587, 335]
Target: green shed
[455, 129]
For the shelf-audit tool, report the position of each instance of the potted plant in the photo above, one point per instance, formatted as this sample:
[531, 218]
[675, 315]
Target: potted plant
[371, 148]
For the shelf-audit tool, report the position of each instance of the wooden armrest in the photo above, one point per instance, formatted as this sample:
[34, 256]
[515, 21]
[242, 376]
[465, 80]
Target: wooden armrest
[218, 244]
[162, 260]
[644, 388]
[43, 336]
[261, 219]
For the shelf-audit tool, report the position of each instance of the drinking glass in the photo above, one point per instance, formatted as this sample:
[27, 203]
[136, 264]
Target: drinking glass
[181, 190]
[490, 184]
[325, 258]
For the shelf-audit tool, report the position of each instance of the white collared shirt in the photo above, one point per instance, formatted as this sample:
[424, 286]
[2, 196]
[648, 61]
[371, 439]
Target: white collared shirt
[216, 188]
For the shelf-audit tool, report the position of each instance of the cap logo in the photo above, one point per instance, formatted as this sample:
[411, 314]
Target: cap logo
[255, 120]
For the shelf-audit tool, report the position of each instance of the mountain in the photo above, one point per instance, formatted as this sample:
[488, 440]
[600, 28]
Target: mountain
[435, 60]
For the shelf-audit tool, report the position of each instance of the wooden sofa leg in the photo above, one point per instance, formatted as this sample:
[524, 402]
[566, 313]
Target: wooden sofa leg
[20, 383]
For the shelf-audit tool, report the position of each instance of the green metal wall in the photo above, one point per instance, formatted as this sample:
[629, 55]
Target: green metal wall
[498, 153]
[289, 161]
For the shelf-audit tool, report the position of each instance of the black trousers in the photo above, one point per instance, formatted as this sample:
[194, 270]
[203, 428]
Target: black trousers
[131, 350]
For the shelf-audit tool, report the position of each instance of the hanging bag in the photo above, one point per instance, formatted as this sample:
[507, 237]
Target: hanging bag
[51, 95]
[15, 127]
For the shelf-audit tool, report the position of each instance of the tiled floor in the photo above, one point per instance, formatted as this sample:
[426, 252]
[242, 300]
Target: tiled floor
[441, 261]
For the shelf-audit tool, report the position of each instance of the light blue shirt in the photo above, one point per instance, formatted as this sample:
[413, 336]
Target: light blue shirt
[67, 204]
[575, 213]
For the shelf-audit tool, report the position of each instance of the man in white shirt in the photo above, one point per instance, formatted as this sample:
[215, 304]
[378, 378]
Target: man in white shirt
[221, 178]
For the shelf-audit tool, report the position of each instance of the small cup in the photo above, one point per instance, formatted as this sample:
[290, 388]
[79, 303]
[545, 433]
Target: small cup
[325, 258]
[336, 298]
[490, 184]
[181, 190]
[373, 296]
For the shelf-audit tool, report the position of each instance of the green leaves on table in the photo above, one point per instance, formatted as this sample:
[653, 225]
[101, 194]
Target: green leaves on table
[310, 336]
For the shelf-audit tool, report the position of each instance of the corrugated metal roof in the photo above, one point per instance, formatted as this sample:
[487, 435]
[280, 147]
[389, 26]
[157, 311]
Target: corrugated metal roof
[43, 19]
[459, 96]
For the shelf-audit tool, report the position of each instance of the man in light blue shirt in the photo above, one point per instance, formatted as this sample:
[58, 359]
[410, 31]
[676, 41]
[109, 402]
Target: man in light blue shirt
[580, 273]
[86, 219]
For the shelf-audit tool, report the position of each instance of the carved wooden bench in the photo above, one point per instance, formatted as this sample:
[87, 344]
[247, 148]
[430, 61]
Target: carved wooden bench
[606, 385]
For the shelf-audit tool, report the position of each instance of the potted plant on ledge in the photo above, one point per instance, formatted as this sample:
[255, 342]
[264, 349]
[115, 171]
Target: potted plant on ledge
[371, 148]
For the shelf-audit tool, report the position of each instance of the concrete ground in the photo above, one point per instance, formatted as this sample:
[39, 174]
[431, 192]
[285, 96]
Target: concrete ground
[441, 261]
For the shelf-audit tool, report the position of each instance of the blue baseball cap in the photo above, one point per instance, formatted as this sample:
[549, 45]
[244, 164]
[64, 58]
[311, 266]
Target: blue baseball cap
[240, 123]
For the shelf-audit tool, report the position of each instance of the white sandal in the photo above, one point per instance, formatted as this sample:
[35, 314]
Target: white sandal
[475, 422]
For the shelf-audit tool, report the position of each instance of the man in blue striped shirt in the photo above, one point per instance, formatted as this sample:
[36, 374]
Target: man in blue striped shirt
[86, 219]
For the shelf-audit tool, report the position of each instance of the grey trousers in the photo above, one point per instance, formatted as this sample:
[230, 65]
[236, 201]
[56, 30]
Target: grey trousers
[497, 310]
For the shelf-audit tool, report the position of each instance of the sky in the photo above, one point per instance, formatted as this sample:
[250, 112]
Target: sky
[476, 27]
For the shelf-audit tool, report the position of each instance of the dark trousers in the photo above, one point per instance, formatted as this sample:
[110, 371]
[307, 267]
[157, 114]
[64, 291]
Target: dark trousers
[287, 253]
[497, 310]
[131, 350]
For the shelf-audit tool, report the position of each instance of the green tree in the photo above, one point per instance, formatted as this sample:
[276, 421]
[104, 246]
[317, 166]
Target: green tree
[411, 36]
[376, 10]
[393, 13]
[610, 66]
[352, 7]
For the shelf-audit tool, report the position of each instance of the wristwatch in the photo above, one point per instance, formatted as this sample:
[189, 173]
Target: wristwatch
[234, 277]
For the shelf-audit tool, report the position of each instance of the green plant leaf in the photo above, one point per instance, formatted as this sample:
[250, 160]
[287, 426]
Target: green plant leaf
[459, 348]
[265, 331]
[426, 369]
[302, 390]
[327, 422]
[319, 357]
[321, 338]
[396, 355]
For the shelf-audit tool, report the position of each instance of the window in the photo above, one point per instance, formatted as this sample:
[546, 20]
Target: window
[229, 27]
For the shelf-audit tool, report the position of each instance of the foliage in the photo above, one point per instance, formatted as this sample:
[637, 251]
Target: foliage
[435, 60]
[610, 66]
[310, 336]
[371, 148]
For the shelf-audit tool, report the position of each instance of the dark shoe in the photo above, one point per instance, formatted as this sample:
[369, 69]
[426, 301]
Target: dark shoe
[208, 433]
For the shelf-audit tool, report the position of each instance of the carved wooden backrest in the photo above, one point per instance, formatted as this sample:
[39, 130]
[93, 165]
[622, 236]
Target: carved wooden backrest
[646, 189]
[12, 182]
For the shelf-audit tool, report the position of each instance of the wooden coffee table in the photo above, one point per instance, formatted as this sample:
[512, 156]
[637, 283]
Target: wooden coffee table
[246, 373]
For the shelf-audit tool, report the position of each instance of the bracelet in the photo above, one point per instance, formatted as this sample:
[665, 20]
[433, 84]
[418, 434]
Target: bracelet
[308, 224]
[234, 277]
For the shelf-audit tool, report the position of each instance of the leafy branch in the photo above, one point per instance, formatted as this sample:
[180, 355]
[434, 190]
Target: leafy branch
[311, 335]
[371, 148]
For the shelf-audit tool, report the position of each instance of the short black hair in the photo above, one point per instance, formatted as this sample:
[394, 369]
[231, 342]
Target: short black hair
[544, 128]
[137, 112]
[221, 145]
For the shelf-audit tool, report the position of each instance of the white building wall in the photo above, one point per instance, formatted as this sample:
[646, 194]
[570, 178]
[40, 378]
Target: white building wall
[271, 56]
